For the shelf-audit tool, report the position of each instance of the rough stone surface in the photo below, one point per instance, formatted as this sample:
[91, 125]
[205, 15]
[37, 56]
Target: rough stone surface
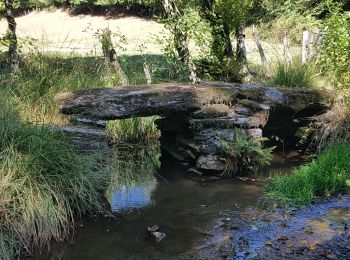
[211, 163]
[118, 103]
[86, 139]
[196, 118]
[212, 111]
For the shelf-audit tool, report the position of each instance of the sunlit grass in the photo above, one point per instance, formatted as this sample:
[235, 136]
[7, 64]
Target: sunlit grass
[44, 183]
[296, 75]
[325, 175]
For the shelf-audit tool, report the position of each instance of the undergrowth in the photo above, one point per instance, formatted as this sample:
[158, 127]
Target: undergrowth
[41, 76]
[44, 184]
[325, 175]
[244, 153]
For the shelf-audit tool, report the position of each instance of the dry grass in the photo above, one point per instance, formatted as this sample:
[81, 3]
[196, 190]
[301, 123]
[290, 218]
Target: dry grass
[60, 31]
[69, 33]
[334, 125]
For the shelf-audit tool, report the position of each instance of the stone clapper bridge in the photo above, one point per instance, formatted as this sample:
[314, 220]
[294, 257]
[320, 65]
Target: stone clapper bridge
[194, 119]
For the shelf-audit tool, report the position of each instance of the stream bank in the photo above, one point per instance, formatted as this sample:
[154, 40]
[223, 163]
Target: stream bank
[319, 231]
[222, 219]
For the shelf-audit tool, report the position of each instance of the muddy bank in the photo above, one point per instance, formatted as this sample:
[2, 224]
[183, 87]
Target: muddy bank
[319, 231]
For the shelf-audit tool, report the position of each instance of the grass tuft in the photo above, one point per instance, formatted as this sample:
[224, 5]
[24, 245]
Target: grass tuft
[44, 183]
[326, 175]
[297, 75]
[133, 130]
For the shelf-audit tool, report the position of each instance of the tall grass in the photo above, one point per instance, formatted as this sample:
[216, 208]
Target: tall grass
[42, 75]
[133, 130]
[44, 183]
[328, 174]
[296, 75]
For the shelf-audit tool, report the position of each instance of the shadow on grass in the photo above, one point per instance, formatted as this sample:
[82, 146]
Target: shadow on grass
[162, 68]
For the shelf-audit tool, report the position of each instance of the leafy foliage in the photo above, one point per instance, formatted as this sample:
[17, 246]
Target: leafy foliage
[245, 153]
[335, 49]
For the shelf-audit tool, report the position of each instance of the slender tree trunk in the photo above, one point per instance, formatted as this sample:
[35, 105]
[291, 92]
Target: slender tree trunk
[180, 38]
[241, 52]
[261, 50]
[113, 59]
[148, 73]
[307, 46]
[11, 32]
[228, 44]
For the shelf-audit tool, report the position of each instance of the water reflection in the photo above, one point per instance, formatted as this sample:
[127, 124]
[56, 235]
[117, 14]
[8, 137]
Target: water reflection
[132, 177]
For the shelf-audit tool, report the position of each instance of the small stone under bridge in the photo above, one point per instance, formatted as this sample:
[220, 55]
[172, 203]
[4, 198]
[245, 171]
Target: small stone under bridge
[195, 118]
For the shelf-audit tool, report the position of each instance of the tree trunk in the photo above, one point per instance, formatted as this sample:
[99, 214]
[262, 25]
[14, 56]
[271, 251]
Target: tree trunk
[221, 45]
[307, 50]
[241, 52]
[148, 73]
[180, 38]
[112, 58]
[11, 32]
[261, 50]
[228, 44]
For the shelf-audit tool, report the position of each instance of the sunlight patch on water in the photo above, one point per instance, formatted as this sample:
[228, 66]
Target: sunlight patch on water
[133, 178]
[127, 198]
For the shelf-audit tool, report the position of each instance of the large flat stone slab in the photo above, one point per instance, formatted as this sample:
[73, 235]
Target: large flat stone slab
[131, 101]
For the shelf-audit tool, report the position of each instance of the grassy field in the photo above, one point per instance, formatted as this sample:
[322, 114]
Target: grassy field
[59, 31]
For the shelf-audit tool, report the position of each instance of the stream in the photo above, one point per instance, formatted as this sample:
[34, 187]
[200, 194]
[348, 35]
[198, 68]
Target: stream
[221, 219]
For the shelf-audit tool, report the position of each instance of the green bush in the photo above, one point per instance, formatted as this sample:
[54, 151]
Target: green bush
[244, 153]
[335, 48]
[323, 176]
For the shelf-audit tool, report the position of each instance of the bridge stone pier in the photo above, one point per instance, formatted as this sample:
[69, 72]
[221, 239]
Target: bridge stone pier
[195, 119]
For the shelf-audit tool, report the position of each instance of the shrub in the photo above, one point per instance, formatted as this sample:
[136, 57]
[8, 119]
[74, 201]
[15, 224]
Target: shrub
[323, 176]
[244, 153]
[335, 48]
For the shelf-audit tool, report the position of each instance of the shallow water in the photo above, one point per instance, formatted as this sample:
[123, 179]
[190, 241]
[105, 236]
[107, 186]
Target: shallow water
[184, 210]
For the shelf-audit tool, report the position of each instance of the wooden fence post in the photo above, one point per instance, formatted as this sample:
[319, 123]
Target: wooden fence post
[286, 52]
[306, 51]
[261, 50]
